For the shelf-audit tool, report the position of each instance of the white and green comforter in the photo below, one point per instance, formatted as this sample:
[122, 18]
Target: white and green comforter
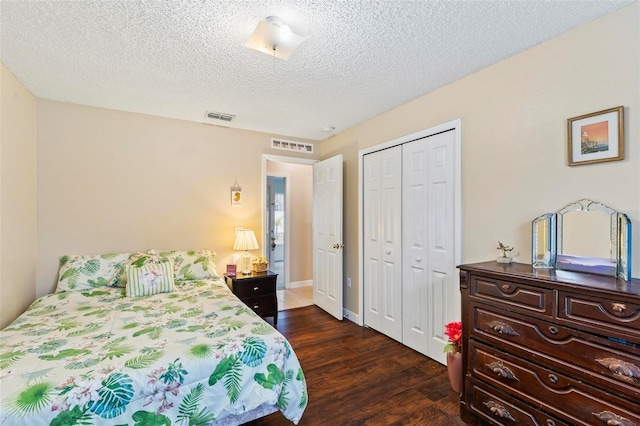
[189, 357]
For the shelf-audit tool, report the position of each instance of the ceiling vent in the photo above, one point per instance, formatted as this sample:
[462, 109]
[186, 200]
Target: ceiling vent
[220, 116]
[284, 145]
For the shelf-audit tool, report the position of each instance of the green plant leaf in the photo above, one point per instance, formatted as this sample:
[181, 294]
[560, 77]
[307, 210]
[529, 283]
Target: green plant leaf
[86, 363]
[222, 368]
[91, 267]
[116, 392]
[274, 378]
[146, 418]
[74, 416]
[144, 360]
[254, 351]
[201, 351]
[232, 381]
[185, 271]
[65, 353]
[49, 346]
[7, 359]
[32, 399]
[263, 330]
[189, 405]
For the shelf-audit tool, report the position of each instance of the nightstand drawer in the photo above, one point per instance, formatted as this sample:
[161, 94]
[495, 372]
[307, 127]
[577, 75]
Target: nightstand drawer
[251, 288]
[261, 305]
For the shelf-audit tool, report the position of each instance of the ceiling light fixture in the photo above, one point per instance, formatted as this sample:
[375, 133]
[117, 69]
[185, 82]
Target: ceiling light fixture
[274, 37]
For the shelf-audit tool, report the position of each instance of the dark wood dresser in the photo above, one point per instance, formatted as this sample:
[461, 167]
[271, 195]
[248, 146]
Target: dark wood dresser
[258, 291]
[549, 347]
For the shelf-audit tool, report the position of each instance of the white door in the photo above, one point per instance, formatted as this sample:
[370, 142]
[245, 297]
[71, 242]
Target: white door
[428, 280]
[382, 226]
[327, 235]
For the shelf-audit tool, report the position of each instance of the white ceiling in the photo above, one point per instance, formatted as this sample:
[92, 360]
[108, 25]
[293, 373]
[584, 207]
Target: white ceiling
[182, 58]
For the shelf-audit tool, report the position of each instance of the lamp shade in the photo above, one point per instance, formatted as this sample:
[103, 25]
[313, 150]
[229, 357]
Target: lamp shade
[246, 240]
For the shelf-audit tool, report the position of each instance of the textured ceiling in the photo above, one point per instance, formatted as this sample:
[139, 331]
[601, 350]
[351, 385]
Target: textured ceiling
[182, 58]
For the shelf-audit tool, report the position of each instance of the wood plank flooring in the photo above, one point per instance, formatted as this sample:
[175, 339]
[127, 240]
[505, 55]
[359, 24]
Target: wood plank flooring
[357, 376]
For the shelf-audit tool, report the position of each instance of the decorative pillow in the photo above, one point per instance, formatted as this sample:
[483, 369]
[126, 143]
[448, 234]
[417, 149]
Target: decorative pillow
[136, 259]
[84, 272]
[145, 278]
[191, 264]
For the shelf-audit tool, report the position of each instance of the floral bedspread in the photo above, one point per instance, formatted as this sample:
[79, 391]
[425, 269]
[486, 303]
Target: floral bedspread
[189, 357]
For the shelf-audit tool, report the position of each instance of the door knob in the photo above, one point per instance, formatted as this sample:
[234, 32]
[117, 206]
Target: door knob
[338, 245]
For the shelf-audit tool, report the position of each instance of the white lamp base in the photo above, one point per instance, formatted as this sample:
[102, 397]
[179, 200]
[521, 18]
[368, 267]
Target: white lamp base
[246, 258]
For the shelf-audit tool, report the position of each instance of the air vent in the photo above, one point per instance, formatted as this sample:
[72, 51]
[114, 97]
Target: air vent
[220, 116]
[285, 145]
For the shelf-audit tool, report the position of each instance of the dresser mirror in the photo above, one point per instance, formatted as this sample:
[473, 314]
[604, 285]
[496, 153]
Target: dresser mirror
[585, 236]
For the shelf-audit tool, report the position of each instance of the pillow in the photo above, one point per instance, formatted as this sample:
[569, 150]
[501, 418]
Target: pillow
[84, 272]
[136, 259]
[146, 278]
[191, 264]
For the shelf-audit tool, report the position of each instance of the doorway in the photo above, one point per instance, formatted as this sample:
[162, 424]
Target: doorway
[275, 226]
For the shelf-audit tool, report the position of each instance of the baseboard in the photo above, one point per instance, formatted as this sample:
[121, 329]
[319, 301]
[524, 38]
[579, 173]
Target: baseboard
[297, 284]
[351, 316]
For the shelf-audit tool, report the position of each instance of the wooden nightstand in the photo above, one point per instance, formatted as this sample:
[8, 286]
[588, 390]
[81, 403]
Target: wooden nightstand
[258, 291]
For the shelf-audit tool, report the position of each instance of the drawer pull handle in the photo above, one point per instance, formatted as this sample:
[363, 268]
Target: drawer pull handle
[612, 419]
[256, 288]
[618, 307]
[621, 369]
[553, 378]
[502, 328]
[498, 410]
[255, 306]
[505, 286]
[501, 370]
[553, 330]
[551, 422]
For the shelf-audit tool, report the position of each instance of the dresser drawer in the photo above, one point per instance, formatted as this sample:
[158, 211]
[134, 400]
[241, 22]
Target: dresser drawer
[513, 295]
[261, 305]
[560, 395]
[622, 318]
[498, 408]
[594, 359]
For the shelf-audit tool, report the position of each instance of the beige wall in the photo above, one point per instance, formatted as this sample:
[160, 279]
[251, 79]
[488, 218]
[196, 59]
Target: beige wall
[17, 196]
[300, 181]
[113, 181]
[514, 138]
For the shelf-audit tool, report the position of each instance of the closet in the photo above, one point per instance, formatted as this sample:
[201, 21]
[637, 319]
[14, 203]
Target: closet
[409, 280]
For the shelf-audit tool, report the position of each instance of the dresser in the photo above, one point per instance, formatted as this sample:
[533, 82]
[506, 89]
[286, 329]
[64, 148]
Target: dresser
[258, 291]
[549, 347]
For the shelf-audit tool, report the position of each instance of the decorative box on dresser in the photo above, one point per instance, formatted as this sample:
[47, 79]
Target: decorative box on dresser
[549, 347]
[257, 291]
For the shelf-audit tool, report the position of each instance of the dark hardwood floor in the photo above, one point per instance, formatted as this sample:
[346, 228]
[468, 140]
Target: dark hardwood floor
[357, 376]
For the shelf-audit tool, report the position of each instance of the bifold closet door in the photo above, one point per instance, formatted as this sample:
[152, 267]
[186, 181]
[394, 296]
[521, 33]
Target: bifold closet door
[382, 235]
[428, 284]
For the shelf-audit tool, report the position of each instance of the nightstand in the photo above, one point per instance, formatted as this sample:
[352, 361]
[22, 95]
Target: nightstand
[258, 291]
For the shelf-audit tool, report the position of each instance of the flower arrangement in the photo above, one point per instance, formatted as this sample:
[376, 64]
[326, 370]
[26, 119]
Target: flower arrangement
[453, 331]
[260, 264]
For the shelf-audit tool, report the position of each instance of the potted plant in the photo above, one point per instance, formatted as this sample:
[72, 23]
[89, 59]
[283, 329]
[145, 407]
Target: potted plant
[453, 348]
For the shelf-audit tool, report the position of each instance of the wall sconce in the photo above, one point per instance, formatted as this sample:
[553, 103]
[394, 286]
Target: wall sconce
[246, 240]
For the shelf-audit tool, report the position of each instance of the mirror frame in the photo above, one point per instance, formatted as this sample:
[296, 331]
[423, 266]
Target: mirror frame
[551, 225]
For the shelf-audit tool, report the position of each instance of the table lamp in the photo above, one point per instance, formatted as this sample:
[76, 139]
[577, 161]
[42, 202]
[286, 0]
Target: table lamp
[246, 240]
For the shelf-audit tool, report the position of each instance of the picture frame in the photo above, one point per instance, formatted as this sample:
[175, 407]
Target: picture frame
[596, 137]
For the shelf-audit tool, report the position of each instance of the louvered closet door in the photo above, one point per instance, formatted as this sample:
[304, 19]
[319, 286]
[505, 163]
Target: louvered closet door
[382, 223]
[428, 279]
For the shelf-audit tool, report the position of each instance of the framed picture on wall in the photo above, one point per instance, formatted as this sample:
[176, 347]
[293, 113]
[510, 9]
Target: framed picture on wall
[596, 137]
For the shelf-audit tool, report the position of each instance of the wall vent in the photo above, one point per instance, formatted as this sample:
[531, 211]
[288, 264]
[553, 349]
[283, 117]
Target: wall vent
[285, 145]
[219, 116]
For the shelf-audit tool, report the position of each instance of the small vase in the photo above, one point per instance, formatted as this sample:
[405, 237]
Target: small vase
[504, 259]
[454, 368]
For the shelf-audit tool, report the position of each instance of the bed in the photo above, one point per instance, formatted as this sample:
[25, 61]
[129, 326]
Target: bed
[94, 352]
